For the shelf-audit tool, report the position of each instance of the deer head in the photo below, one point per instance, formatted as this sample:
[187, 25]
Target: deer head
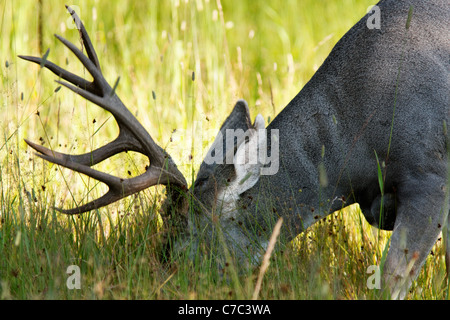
[225, 173]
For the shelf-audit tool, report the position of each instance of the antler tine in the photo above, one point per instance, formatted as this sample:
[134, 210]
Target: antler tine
[90, 65]
[99, 82]
[132, 135]
[120, 144]
[87, 62]
[60, 72]
[85, 37]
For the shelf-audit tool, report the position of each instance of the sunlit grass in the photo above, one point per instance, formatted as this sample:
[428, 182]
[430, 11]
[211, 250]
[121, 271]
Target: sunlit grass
[182, 66]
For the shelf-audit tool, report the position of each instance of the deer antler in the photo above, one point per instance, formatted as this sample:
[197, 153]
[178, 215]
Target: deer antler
[132, 136]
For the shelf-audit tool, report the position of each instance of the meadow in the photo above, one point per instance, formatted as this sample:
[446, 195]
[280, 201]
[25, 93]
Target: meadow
[182, 65]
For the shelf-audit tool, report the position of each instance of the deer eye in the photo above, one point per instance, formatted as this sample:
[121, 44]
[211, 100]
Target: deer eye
[200, 181]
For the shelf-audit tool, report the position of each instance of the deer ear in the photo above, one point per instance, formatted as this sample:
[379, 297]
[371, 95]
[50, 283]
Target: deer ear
[250, 157]
[238, 119]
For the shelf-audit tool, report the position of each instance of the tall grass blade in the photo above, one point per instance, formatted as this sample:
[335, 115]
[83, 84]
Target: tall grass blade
[266, 258]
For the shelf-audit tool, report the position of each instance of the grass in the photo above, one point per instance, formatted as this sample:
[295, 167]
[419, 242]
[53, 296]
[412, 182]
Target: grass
[182, 65]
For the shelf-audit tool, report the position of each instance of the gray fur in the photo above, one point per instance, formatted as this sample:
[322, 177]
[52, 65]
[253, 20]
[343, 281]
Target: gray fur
[338, 121]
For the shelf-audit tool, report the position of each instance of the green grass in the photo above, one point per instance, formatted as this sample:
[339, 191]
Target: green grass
[263, 52]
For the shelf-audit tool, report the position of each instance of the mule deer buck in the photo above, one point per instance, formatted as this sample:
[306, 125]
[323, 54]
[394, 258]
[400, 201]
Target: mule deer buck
[370, 127]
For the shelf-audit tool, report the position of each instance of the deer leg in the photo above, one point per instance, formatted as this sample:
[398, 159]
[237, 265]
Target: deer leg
[418, 224]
